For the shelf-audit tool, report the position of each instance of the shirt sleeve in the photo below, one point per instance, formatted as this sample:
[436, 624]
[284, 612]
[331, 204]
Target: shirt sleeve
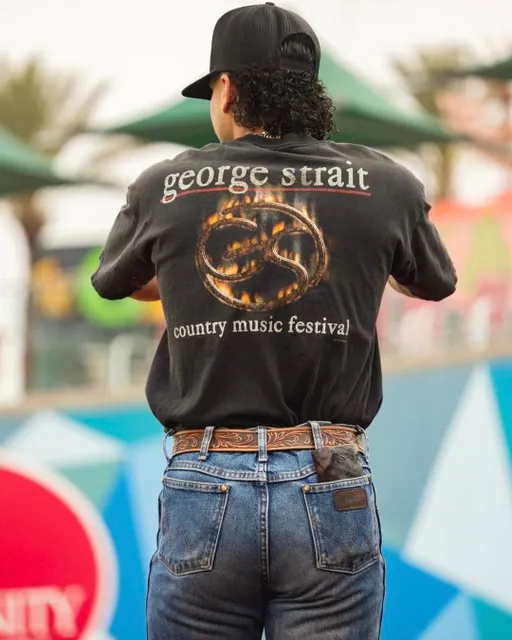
[421, 262]
[125, 261]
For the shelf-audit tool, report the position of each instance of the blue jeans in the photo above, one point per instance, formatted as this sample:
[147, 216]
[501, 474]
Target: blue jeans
[251, 541]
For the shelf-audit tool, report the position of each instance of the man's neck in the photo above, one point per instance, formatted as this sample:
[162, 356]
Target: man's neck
[240, 132]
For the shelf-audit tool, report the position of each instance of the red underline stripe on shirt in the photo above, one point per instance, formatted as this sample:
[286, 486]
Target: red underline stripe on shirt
[354, 192]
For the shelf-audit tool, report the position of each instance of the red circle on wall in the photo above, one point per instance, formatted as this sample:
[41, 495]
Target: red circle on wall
[57, 569]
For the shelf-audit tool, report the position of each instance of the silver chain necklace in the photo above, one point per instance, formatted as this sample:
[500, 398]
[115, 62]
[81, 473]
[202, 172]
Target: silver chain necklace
[264, 134]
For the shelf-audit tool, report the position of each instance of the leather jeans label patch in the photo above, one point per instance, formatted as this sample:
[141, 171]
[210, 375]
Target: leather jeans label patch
[346, 499]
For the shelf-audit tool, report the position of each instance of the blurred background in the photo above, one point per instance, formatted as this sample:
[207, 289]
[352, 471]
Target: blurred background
[89, 97]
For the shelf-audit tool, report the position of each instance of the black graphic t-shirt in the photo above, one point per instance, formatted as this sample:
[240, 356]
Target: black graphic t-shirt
[272, 257]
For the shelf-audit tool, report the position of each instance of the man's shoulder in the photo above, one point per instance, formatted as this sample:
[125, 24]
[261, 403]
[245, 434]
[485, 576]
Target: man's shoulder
[393, 171]
[164, 167]
[186, 159]
[361, 151]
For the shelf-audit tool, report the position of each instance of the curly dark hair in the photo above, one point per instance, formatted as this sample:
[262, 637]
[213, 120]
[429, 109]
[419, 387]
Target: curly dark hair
[282, 101]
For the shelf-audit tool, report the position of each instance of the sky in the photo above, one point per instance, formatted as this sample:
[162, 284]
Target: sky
[149, 51]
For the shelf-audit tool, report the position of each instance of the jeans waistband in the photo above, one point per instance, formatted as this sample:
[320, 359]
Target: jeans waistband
[264, 439]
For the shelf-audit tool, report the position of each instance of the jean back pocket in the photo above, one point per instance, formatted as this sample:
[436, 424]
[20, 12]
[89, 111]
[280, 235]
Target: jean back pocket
[344, 524]
[190, 524]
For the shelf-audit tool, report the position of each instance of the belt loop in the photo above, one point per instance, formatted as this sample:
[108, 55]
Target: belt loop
[262, 444]
[365, 441]
[164, 447]
[205, 444]
[317, 434]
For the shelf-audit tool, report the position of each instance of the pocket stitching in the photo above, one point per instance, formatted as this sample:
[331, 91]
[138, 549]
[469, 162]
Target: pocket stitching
[206, 487]
[321, 563]
[325, 567]
[210, 551]
[322, 487]
[313, 530]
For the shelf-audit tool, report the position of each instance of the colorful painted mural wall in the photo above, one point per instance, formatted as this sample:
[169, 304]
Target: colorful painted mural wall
[79, 491]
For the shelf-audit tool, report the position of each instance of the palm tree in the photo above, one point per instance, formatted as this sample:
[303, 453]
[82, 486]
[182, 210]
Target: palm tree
[423, 78]
[46, 110]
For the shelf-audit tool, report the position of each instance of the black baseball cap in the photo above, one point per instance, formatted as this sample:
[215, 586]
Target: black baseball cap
[250, 36]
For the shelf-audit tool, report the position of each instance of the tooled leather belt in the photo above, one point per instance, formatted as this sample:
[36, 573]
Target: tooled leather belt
[278, 439]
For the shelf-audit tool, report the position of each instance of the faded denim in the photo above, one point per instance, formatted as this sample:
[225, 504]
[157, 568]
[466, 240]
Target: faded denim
[251, 541]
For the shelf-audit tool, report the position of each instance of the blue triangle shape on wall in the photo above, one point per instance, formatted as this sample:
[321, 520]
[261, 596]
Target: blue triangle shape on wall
[456, 621]
[128, 423]
[501, 376]
[129, 617]
[413, 599]
[406, 438]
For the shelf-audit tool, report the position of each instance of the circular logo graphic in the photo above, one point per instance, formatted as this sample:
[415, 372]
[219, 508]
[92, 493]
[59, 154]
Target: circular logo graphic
[262, 245]
[57, 577]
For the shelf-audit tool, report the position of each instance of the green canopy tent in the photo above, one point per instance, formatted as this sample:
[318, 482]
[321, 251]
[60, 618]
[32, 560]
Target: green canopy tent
[364, 116]
[22, 169]
[501, 70]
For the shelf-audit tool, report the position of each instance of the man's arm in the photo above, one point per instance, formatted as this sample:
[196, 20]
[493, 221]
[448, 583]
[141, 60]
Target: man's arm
[126, 265]
[399, 288]
[421, 265]
[148, 293]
